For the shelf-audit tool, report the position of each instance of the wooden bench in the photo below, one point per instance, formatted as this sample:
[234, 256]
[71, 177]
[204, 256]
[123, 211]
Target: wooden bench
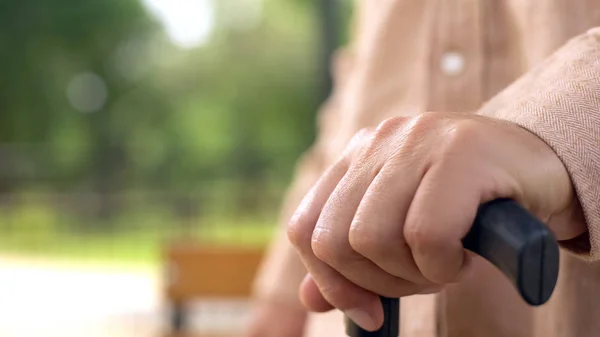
[195, 271]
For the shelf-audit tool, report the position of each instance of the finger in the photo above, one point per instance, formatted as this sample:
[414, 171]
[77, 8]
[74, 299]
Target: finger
[312, 292]
[311, 205]
[300, 232]
[440, 215]
[330, 241]
[311, 296]
[377, 229]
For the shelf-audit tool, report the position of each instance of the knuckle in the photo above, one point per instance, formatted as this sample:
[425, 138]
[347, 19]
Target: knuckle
[427, 120]
[420, 239]
[363, 133]
[377, 140]
[299, 231]
[360, 137]
[416, 131]
[388, 126]
[357, 142]
[327, 248]
[461, 136]
[363, 240]
[420, 125]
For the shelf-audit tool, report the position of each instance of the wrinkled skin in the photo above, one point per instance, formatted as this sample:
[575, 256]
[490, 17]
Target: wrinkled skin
[388, 217]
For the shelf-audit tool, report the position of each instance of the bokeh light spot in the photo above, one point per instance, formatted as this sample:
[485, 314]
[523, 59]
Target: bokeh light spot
[87, 92]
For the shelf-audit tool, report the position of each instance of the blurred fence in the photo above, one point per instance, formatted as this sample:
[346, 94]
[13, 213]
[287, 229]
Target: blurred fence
[74, 226]
[133, 225]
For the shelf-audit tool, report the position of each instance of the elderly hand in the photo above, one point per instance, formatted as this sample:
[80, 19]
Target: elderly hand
[388, 217]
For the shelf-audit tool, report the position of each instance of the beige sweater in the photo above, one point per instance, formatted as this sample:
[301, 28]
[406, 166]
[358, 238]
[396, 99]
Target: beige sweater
[533, 62]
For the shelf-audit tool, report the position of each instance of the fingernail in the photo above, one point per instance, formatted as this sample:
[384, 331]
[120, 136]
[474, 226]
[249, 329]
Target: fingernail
[362, 318]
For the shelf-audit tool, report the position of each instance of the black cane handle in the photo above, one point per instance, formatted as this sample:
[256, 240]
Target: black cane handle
[514, 241]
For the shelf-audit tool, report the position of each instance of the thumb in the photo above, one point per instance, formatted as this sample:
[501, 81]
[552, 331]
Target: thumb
[311, 296]
[369, 316]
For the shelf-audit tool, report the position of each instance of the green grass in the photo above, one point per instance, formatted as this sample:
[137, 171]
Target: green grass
[137, 236]
[136, 246]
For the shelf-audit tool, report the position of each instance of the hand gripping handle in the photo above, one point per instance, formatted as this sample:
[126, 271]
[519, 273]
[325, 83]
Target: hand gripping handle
[514, 241]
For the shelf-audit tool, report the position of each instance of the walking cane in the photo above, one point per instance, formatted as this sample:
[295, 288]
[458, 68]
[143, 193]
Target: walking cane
[514, 241]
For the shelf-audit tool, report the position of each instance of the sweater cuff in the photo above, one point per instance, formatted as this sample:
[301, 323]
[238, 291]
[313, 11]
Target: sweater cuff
[559, 101]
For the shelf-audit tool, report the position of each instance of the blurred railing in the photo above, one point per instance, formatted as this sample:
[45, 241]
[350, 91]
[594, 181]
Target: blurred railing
[77, 224]
[212, 232]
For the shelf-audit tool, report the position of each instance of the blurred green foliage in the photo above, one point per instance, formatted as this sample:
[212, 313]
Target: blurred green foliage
[173, 118]
[214, 130]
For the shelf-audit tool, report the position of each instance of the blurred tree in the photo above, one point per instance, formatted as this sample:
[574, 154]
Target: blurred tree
[95, 97]
[61, 117]
[252, 109]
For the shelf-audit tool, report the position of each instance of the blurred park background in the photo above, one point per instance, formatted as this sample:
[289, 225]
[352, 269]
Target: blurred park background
[127, 125]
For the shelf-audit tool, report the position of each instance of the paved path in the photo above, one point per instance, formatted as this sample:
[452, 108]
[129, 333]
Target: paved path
[48, 298]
